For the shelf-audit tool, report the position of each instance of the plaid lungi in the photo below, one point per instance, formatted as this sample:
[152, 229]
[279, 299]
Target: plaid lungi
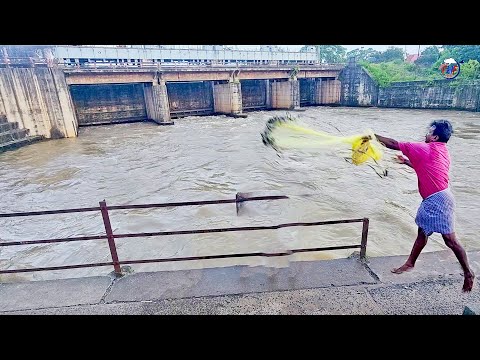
[437, 213]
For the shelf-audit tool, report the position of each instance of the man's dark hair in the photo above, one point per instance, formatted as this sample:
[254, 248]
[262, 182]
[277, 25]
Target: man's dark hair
[443, 129]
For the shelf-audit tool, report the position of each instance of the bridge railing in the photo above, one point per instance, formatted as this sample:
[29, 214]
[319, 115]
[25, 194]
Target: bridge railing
[110, 236]
[150, 64]
[25, 61]
[189, 65]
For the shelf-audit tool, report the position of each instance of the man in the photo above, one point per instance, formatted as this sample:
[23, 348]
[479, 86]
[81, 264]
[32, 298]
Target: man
[431, 162]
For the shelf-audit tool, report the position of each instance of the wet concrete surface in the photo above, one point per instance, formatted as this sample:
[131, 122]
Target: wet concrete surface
[328, 287]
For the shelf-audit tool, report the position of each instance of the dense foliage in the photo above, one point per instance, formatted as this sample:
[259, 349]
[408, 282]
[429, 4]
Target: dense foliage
[426, 67]
[390, 65]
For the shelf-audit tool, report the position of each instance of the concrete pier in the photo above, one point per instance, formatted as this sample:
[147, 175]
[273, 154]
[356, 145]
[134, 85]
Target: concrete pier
[227, 98]
[156, 101]
[285, 95]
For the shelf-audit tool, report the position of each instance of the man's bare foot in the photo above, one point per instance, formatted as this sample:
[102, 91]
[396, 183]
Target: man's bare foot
[403, 268]
[468, 282]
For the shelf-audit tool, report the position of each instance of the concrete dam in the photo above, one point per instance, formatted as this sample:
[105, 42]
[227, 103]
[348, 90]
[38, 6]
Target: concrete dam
[53, 102]
[45, 94]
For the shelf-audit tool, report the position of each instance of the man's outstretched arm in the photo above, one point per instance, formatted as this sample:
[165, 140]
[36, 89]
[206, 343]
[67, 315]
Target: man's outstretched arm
[404, 160]
[389, 143]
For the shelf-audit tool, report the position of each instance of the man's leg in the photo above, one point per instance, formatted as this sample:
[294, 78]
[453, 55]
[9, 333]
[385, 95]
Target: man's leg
[418, 246]
[452, 242]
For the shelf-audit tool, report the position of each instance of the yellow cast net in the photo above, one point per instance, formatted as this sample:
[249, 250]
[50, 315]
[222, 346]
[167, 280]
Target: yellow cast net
[282, 132]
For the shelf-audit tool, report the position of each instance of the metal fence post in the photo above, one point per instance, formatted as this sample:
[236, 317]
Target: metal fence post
[110, 237]
[363, 246]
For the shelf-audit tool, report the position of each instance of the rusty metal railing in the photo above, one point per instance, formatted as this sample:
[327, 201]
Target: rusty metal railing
[110, 236]
[26, 62]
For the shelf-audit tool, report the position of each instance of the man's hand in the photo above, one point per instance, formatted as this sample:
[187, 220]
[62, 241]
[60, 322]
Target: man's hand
[403, 160]
[400, 159]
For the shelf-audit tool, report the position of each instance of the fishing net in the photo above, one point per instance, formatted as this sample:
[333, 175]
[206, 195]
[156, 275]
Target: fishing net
[283, 132]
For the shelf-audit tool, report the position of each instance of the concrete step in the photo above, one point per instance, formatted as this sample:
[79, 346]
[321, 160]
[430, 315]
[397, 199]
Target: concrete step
[4, 127]
[472, 309]
[13, 135]
[15, 144]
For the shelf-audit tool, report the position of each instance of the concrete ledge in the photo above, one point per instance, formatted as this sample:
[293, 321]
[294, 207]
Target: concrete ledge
[239, 280]
[438, 264]
[12, 145]
[351, 300]
[52, 293]
[429, 297]
[113, 122]
[236, 115]
[341, 286]
[471, 310]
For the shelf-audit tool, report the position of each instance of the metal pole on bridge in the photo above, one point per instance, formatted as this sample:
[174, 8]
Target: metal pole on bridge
[363, 246]
[110, 237]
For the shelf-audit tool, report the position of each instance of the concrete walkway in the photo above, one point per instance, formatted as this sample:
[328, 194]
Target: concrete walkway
[342, 286]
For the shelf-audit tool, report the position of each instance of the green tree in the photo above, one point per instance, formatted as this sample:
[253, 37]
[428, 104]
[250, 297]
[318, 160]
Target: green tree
[462, 52]
[470, 70]
[465, 53]
[387, 72]
[428, 57]
[331, 53]
[363, 54]
[393, 53]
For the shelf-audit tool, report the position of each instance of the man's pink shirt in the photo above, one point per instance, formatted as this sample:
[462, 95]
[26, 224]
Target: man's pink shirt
[431, 162]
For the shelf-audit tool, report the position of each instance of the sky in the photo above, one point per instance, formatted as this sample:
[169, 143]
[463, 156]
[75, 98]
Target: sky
[411, 49]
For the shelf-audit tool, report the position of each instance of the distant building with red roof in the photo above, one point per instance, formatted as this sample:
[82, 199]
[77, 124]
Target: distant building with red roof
[411, 58]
